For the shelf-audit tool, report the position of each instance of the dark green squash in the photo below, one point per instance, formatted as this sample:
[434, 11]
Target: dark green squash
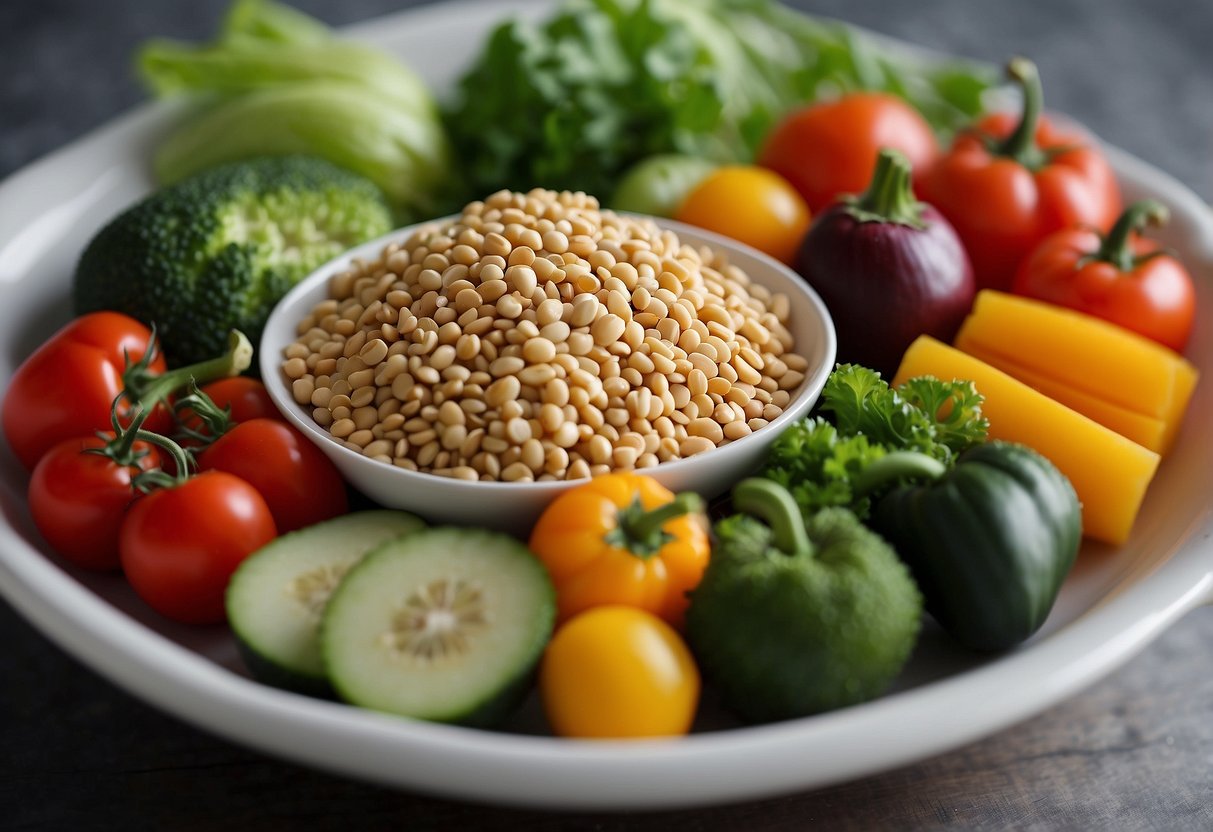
[989, 541]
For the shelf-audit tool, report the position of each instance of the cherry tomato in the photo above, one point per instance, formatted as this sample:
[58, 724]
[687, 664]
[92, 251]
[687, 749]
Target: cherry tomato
[77, 499]
[829, 149]
[618, 672]
[66, 388]
[180, 545]
[1122, 278]
[749, 204]
[246, 397]
[299, 483]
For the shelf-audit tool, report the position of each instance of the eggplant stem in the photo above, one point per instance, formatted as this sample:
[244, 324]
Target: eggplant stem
[889, 197]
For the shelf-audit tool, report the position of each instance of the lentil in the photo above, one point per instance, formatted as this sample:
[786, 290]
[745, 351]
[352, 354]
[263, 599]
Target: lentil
[538, 337]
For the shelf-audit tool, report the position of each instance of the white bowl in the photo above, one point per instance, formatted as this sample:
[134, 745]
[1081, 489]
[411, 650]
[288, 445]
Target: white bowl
[515, 506]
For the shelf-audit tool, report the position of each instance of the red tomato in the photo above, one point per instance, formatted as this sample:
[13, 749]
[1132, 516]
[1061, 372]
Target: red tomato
[299, 483]
[246, 397]
[1122, 278]
[180, 545]
[829, 149]
[77, 499]
[66, 388]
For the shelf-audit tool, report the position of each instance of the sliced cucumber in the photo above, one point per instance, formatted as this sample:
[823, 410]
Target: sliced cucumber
[444, 625]
[277, 595]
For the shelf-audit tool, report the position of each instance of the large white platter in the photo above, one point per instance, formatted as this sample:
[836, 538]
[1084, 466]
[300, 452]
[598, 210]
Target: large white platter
[1113, 604]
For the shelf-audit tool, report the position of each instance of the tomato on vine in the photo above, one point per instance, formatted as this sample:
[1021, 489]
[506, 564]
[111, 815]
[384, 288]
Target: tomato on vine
[68, 386]
[80, 490]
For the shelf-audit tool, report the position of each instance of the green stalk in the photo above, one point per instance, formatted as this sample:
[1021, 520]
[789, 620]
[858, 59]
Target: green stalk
[1115, 248]
[894, 467]
[889, 197]
[773, 504]
[1021, 144]
[147, 390]
[640, 532]
[159, 478]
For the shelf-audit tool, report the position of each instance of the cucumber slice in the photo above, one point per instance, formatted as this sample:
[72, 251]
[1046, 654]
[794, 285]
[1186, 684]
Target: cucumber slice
[444, 625]
[276, 597]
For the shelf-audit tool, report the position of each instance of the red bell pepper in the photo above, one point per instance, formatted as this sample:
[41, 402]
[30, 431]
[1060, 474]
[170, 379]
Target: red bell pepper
[1005, 184]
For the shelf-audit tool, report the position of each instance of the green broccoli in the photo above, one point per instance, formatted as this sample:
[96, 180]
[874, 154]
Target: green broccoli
[791, 618]
[215, 252]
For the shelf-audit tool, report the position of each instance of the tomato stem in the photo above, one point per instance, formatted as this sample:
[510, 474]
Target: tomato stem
[1116, 248]
[159, 478]
[120, 448]
[895, 467]
[773, 504]
[889, 197]
[215, 421]
[148, 390]
[1021, 144]
[640, 532]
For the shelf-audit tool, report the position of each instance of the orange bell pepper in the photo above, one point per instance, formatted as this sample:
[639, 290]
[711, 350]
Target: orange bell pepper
[1008, 183]
[623, 539]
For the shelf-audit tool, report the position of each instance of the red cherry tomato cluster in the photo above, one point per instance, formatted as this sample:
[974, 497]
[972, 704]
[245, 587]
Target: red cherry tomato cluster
[91, 412]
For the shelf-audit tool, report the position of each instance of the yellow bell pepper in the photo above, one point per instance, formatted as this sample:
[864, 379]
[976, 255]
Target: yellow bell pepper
[623, 539]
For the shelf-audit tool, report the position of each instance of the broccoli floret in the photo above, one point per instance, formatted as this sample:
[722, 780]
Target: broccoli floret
[792, 618]
[215, 252]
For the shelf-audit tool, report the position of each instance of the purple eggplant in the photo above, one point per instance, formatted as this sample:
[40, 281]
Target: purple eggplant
[889, 268]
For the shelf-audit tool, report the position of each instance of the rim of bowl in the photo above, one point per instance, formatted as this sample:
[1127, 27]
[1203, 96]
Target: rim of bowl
[270, 355]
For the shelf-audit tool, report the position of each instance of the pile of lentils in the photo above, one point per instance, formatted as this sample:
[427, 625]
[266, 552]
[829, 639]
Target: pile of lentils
[537, 337]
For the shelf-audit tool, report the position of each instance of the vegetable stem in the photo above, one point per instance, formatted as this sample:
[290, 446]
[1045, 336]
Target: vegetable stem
[640, 532]
[896, 466]
[1021, 144]
[1115, 247]
[159, 478]
[151, 390]
[889, 197]
[773, 504]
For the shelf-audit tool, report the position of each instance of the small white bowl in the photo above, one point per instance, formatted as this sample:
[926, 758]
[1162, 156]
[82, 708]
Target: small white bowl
[514, 507]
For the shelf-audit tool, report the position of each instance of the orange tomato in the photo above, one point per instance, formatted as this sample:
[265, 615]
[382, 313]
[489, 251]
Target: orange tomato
[623, 539]
[618, 672]
[752, 205]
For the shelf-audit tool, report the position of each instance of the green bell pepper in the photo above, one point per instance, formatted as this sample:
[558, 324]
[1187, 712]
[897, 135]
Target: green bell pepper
[989, 541]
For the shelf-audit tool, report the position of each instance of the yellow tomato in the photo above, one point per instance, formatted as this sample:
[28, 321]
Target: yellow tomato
[618, 672]
[751, 204]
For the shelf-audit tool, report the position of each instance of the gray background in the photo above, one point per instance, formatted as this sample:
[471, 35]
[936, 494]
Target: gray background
[1135, 751]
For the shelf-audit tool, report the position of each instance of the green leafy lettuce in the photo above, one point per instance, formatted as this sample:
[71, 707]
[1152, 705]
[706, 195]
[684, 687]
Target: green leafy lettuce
[573, 101]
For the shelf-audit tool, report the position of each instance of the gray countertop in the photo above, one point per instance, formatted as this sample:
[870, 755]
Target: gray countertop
[1134, 751]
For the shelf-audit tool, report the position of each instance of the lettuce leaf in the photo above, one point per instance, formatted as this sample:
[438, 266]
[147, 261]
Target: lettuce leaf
[573, 101]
